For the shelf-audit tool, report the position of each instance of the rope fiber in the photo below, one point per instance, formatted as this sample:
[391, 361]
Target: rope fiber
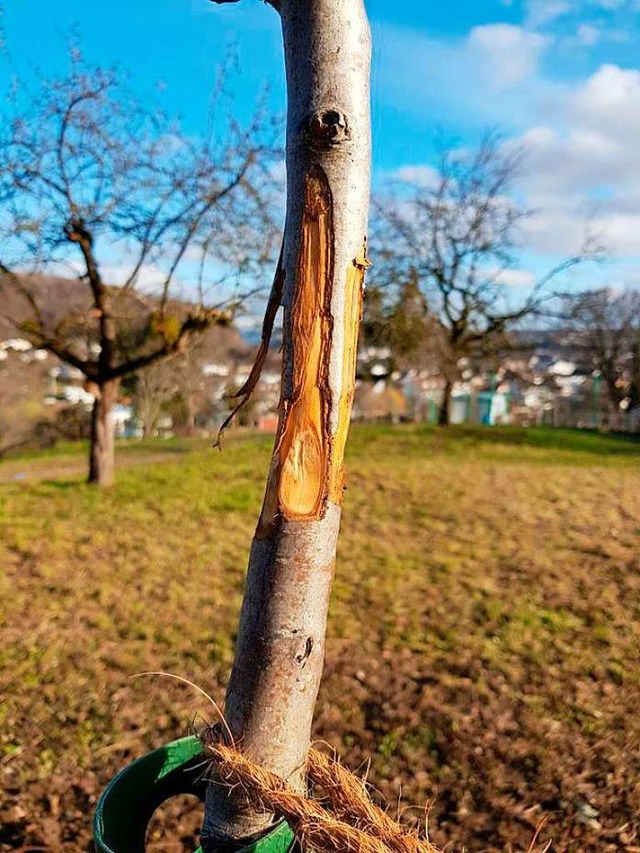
[347, 821]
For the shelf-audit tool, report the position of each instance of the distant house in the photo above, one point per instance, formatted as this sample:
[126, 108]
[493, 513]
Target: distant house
[215, 369]
[77, 395]
[16, 345]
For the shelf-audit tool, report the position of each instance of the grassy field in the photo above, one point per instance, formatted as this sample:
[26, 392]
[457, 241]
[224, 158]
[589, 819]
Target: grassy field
[484, 639]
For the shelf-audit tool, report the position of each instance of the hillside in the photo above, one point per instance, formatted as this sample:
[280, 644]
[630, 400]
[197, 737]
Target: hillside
[26, 378]
[57, 297]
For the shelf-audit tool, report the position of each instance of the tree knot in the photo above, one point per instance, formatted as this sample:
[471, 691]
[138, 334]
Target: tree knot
[327, 127]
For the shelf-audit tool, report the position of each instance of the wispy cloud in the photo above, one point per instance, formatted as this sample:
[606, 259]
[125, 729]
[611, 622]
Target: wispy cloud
[505, 53]
[541, 13]
[580, 137]
[493, 69]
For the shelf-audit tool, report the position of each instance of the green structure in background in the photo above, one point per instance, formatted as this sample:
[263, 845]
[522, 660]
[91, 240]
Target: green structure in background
[129, 801]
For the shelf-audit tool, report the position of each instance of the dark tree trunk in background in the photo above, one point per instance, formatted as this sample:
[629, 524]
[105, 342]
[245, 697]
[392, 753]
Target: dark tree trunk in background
[102, 451]
[444, 415]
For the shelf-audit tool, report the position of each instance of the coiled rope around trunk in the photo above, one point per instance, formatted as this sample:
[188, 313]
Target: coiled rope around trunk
[346, 821]
[350, 822]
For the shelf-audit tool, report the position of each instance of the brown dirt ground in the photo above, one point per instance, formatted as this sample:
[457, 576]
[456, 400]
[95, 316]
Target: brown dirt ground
[484, 645]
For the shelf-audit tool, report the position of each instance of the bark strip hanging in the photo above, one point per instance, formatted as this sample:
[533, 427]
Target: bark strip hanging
[245, 392]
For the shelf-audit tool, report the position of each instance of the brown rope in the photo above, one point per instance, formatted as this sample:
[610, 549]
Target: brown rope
[349, 800]
[351, 822]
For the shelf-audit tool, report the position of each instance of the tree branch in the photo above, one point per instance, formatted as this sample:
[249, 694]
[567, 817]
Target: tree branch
[192, 326]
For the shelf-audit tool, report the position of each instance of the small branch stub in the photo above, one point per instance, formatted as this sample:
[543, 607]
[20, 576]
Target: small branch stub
[327, 127]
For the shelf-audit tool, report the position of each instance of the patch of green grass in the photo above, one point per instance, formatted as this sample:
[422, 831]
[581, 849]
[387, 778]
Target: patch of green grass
[486, 604]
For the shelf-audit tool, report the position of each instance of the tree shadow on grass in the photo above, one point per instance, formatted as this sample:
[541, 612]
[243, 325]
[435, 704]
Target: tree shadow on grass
[62, 485]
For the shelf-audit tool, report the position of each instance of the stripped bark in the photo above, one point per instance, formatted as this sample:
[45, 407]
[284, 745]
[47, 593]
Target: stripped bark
[280, 649]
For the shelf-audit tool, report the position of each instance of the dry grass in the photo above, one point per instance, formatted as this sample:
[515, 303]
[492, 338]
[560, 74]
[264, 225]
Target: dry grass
[484, 635]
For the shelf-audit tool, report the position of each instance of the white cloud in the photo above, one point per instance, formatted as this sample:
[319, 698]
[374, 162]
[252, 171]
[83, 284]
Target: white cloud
[582, 171]
[540, 12]
[517, 278]
[581, 138]
[489, 76]
[569, 162]
[420, 175]
[588, 35]
[588, 170]
[149, 278]
[115, 273]
[620, 232]
[610, 100]
[558, 231]
[509, 54]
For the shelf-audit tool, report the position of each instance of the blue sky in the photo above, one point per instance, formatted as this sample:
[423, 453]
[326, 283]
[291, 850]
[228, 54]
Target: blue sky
[561, 77]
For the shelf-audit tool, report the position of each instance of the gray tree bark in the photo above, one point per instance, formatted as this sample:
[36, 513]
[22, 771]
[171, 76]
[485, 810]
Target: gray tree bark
[280, 649]
[102, 441]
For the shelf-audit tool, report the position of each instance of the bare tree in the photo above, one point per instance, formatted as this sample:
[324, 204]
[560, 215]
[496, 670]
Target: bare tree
[280, 649]
[455, 236]
[155, 387]
[607, 324]
[173, 387]
[91, 180]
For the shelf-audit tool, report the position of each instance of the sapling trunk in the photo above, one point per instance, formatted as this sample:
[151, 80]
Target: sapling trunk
[280, 648]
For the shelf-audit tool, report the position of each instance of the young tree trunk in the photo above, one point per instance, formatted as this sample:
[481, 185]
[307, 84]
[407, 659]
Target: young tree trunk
[280, 648]
[190, 410]
[101, 451]
[444, 415]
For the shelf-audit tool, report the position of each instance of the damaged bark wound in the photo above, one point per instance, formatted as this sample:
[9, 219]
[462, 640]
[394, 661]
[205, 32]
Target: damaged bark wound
[308, 461]
[298, 480]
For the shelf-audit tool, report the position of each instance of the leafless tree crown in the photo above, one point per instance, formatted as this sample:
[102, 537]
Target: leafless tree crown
[92, 180]
[453, 235]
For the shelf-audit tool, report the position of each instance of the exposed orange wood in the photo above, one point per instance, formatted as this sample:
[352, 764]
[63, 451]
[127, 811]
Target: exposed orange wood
[307, 466]
[352, 315]
[298, 479]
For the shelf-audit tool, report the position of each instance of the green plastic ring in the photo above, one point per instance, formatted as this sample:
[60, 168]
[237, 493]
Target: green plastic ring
[130, 799]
